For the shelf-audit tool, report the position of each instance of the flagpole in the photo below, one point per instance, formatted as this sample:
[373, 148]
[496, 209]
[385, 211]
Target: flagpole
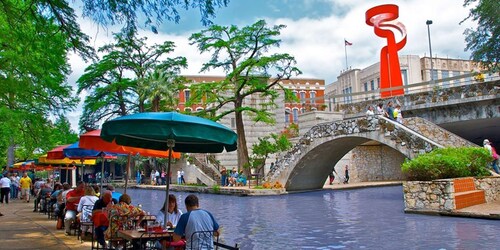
[345, 49]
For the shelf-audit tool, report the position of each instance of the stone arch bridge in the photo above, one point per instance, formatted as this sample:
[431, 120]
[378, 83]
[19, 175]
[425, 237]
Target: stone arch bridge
[307, 164]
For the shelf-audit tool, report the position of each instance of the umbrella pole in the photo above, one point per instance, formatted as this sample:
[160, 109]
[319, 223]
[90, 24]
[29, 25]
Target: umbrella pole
[67, 166]
[170, 144]
[102, 174]
[126, 173]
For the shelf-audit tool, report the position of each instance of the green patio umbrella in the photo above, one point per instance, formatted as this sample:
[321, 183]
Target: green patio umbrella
[170, 131]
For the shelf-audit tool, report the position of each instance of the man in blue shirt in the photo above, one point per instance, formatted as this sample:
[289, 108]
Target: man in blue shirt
[198, 226]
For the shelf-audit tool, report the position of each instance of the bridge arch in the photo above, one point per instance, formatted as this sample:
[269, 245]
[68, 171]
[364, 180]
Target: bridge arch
[307, 164]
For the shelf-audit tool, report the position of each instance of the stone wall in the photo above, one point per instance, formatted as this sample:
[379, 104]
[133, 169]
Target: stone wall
[491, 187]
[435, 195]
[376, 163]
[439, 196]
[436, 133]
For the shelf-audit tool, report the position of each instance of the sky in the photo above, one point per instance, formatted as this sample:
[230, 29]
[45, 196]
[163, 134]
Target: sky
[314, 34]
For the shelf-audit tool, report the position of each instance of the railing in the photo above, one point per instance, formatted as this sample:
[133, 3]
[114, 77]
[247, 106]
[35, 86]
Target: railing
[410, 131]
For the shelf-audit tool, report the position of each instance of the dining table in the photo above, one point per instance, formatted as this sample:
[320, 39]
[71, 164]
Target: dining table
[140, 237]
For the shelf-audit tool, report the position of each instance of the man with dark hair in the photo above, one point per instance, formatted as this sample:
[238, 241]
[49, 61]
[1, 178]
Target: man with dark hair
[100, 216]
[198, 226]
[72, 200]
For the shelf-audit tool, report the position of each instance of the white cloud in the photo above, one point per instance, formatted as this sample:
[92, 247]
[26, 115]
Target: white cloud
[318, 43]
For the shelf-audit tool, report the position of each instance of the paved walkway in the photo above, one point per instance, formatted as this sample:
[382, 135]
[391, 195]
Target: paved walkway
[21, 228]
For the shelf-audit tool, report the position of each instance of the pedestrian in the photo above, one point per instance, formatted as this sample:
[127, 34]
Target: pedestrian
[397, 114]
[5, 184]
[178, 177]
[163, 178]
[223, 177]
[157, 177]
[198, 226]
[138, 177]
[332, 177]
[346, 179]
[487, 145]
[26, 185]
[390, 111]
[380, 109]
[183, 181]
[14, 188]
[370, 112]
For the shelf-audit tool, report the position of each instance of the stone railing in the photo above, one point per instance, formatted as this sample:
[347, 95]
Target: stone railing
[436, 133]
[390, 130]
[435, 95]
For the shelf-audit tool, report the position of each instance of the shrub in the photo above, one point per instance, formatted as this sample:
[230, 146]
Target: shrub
[447, 163]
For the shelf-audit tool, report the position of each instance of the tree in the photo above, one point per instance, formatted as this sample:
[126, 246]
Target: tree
[483, 42]
[112, 94]
[33, 88]
[251, 71]
[267, 145]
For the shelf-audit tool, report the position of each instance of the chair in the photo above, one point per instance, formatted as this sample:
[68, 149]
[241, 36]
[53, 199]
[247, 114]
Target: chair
[202, 240]
[86, 222]
[119, 222]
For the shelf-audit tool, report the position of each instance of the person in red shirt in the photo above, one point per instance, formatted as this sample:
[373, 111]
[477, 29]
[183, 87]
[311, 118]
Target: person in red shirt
[72, 200]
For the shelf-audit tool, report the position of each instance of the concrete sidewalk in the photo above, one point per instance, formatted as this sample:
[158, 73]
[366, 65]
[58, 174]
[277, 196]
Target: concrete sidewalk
[21, 228]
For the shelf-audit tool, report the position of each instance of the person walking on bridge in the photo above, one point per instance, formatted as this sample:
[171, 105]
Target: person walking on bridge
[487, 145]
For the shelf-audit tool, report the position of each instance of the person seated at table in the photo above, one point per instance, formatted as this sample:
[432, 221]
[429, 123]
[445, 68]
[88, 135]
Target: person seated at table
[122, 215]
[85, 207]
[72, 199]
[44, 192]
[233, 177]
[242, 179]
[174, 213]
[53, 196]
[116, 195]
[194, 221]
[100, 216]
[96, 190]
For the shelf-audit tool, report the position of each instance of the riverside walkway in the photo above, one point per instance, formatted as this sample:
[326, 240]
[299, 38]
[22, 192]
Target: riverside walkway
[21, 228]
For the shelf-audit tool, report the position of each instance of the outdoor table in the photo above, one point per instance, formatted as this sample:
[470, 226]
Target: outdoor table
[135, 236]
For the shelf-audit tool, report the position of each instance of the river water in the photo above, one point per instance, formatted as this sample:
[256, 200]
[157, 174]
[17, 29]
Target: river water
[370, 218]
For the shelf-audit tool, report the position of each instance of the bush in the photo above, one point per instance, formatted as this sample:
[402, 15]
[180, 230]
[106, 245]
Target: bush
[445, 163]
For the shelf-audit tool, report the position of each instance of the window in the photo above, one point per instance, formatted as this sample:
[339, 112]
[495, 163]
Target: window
[366, 86]
[378, 83]
[187, 95]
[434, 74]
[313, 97]
[303, 97]
[287, 116]
[404, 75]
[372, 83]
[295, 115]
[445, 74]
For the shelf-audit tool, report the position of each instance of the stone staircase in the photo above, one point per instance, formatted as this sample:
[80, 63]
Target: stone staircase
[200, 161]
[466, 194]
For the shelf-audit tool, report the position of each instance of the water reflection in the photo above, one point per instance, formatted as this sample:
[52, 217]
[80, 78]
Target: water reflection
[344, 219]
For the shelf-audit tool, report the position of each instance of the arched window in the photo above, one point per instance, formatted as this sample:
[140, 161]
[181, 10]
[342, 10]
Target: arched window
[312, 94]
[295, 115]
[287, 116]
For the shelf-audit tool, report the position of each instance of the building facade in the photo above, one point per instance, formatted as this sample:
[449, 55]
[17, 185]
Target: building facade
[310, 95]
[354, 85]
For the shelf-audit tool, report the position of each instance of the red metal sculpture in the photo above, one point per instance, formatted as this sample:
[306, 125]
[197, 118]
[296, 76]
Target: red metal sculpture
[382, 18]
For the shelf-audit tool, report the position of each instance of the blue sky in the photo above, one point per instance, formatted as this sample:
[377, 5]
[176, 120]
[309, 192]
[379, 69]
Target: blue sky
[314, 35]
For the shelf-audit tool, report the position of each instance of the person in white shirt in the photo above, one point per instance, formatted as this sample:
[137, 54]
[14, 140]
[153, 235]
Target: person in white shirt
[179, 177]
[5, 191]
[370, 112]
[85, 207]
[174, 213]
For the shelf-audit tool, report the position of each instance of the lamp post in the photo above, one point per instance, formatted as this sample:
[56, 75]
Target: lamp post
[429, 22]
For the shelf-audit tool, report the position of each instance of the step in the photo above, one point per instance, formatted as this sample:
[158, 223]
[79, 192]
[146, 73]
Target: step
[464, 184]
[469, 198]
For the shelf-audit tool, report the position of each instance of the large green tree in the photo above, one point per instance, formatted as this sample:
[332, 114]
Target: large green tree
[483, 41]
[131, 77]
[33, 69]
[251, 70]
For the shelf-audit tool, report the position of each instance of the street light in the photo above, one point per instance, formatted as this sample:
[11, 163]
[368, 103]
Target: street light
[429, 22]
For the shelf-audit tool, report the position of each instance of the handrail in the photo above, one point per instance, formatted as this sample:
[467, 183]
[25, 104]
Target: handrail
[411, 131]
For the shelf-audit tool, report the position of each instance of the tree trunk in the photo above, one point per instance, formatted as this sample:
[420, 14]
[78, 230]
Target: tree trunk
[242, 143]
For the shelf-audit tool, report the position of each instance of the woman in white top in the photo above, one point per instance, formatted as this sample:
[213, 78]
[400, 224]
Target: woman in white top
[174, 214]
[5, 191]
[86, 205]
